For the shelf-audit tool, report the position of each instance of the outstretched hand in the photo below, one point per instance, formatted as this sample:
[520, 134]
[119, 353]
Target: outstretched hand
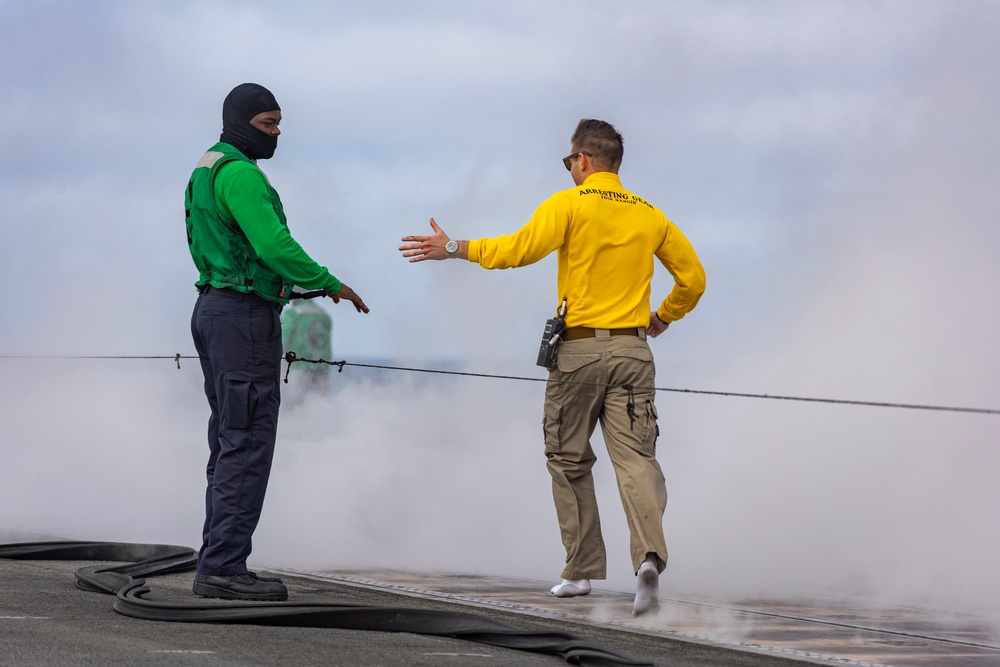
[346, 292]
[420, 248]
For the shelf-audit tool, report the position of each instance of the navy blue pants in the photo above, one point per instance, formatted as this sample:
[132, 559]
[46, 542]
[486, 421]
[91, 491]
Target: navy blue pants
[238, 338]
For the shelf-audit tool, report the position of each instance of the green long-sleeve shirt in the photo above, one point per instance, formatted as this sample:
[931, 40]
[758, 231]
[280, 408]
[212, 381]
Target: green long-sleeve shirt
[242, 240]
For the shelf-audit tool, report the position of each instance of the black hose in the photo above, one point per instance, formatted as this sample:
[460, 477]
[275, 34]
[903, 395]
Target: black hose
[126, 582]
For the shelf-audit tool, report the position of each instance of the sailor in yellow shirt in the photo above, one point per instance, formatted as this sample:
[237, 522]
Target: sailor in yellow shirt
[605, 238]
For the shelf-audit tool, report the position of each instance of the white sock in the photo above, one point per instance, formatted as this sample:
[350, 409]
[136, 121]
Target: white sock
[647, 587]
[569, 588]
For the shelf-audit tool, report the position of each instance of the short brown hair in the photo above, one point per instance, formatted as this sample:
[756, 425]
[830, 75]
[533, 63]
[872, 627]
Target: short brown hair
[602, 141]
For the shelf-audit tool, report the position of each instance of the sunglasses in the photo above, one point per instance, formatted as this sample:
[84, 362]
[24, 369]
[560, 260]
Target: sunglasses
[569, 158]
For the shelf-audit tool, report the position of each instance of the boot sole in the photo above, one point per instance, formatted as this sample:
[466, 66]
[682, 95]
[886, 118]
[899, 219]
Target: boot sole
[227, 594]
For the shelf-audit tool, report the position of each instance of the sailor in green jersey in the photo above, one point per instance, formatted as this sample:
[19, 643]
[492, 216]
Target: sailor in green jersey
[247, 262]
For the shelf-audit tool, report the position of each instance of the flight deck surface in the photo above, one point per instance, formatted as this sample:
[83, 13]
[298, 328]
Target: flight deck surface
[829, 630]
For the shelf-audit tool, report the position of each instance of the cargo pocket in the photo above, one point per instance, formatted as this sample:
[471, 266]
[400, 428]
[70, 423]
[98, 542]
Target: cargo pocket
[652, 428]
[246, 390]
[551, 420]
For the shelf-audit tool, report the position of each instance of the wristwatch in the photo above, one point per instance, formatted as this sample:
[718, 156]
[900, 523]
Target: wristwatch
[451, 247]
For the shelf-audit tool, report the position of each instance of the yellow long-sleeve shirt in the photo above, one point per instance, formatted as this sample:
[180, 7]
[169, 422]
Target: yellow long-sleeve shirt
[606, 238]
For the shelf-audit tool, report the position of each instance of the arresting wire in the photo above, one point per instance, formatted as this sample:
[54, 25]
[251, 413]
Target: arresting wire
[176, 357]
[291, 357]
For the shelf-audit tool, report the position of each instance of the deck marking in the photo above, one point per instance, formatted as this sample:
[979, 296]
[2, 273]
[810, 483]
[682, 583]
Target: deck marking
[187, 651]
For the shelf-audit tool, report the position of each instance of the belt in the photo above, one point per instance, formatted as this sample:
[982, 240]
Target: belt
[235, 294]
[576, 333]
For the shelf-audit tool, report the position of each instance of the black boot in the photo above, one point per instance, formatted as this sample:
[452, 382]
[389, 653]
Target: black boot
[239, 587]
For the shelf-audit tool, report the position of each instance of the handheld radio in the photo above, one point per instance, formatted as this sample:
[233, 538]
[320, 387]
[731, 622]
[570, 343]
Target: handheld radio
[551, 336]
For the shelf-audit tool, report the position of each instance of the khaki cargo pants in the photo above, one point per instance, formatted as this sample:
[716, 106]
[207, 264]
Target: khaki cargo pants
[572, 411]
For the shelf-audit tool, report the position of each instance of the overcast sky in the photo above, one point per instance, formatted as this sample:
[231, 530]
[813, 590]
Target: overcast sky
[835, 165]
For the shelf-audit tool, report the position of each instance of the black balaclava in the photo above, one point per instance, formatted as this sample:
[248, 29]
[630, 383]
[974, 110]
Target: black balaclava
[243, 103]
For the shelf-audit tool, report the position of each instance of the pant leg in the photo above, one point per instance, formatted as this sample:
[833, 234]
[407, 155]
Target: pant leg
[213, 420]
[239, 340]
[570, 416]
[631, 445]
